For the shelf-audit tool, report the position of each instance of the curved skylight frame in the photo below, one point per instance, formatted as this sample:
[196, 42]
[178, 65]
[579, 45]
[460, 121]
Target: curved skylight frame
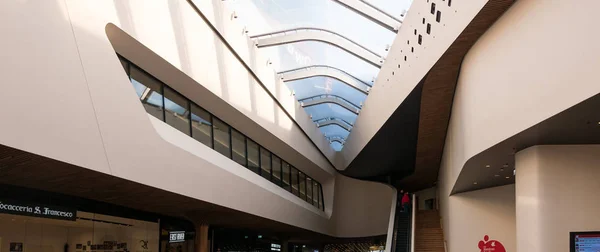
[372, 13]
[334, 121]
[338, 139]
[325, 71]
[294, 35]
[333, 49]
[329, 98]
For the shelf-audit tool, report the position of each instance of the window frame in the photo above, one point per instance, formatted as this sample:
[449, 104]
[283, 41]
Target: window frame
[128, 65]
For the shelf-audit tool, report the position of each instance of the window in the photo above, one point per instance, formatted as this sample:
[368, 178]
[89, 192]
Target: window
[149, 90]
[309, 190]
[125, 64]
[276, 167]
[285, 171]
[238, 146]
[201, 126]
[438, 16]
[321, 197]
[221, 141]
[302, 184]
[432, 8]
[166, 104]
[295, 182]
[253, 156]
[316, 195]
[265, 163]
[176, 111]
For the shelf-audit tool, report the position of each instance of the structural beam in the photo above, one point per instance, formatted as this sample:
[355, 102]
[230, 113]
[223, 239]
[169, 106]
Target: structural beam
[320, 99]
[321, 35]
[334, 121]
[372, 13]
[338, 139]
[320, 70]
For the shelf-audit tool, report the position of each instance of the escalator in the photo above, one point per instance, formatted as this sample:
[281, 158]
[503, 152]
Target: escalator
[402, 230]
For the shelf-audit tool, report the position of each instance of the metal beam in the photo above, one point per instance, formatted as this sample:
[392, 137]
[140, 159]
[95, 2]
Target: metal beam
[338, 139]
[372, 13]
[321, 35]
[334, 121]
[321, 70]
[327, 98]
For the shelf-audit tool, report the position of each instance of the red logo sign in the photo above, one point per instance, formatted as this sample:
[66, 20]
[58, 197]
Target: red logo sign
[488, 245]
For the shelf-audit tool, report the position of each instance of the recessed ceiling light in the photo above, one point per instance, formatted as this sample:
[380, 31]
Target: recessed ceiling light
[507, 177]
[474, 183]
[496, 175]
[487, 166]
[505, 165]
[501, 169]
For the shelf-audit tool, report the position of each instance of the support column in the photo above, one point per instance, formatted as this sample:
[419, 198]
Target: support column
[202, 238]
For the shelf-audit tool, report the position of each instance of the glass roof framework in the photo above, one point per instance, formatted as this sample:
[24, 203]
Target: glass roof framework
[267, 16]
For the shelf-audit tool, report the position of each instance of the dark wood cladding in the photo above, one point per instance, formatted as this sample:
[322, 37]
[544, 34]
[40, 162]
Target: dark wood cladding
[438, 95]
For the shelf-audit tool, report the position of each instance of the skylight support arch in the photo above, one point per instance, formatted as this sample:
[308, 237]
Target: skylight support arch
[338, 139]
[327, 98]
[327, 71]
[334, 121]
[322, 35]
[372, 13]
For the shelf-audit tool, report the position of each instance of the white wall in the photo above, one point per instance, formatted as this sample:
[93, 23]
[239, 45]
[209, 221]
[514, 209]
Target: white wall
[398, 77]
[473, 215]
[556, 193]
[523, 70]
[73, 102]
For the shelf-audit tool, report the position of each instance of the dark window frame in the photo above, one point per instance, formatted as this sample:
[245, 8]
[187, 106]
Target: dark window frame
[127, 65]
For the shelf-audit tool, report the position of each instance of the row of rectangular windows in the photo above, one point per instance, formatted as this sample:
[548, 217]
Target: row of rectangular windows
[168, 105]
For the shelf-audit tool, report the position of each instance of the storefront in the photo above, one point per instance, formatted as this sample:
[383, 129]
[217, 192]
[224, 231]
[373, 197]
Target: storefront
[28, 223]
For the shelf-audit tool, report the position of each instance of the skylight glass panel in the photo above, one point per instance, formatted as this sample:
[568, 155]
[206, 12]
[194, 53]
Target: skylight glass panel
[270, 16]
[326, 110]
[310, 87]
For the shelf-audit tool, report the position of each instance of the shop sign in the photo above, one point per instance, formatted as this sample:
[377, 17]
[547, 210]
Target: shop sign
[275, 247]
[488, 245]
[177, 236]
[37, 210]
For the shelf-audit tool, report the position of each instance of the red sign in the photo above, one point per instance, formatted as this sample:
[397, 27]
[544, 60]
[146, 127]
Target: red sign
[488, 245]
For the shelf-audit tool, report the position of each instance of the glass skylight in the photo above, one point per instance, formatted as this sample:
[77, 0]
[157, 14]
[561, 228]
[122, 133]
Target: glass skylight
[268, 16]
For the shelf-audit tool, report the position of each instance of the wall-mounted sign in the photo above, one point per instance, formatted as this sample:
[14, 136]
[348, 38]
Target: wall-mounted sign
[275, 247]
[37, 210]
[177, 236]
[488, 245]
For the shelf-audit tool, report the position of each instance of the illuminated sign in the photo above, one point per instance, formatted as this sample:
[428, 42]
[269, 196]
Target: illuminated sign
[275, 247]
[177, 236]
[37, 210]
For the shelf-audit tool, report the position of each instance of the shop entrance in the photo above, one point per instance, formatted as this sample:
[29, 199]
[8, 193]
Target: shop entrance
[88, 232]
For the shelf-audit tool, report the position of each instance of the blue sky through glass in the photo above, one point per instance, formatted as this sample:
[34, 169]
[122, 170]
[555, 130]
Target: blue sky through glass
[265, 16]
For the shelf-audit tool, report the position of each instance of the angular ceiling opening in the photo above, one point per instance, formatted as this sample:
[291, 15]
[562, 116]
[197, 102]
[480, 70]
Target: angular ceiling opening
[327, 52]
